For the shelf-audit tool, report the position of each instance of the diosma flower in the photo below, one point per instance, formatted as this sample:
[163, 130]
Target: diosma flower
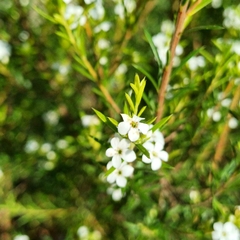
[133, 127]
[120, 174]
[120, 150]
[157, 155]
[225, 231]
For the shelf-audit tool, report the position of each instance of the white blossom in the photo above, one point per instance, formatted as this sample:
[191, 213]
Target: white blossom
[195, 62]
[120, 150]
[5, 52]
[51, 117]
[31, 146]
[89, 120]
[225, 231]
[75, 13]
[157, 155]
[120, 174]
[233, 123]
[116, 193]
[83, 232]
[133, 127]
[21, 237]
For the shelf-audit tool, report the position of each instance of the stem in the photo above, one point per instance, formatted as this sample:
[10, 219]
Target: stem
[109, 98]
[182, 14]
[224, 135]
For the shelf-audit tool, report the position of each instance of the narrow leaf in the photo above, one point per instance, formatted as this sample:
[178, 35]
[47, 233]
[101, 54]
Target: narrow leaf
[142, 70]
[143, 150]
[129, 101]
[142, 110]
[100, 115]
[113, 121]
[154, 49]
[43, 14]
[161, 123]
[109, 171]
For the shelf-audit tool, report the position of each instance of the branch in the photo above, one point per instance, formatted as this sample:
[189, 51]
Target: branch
[182, 14]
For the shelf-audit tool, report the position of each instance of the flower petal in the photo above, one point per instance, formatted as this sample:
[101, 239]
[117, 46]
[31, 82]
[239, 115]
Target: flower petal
[143, 128]
[110, 152]
[126, 118]
[124, 127]
[127, 170]
[116, 161]
[133, 134]
[156, 164]
[129, 156]
[111, 178]
[115, 142]
[163, 155]
[121, 181]
[145, 159]
[124, 144]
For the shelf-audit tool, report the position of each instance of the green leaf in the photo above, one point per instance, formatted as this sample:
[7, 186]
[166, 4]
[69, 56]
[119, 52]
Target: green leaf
[143, 150]
[206, 27]
[166, 166]
[200, 6]
[113, 121]
[184, 61]
[161, 123]
[142, 70]
[142, 110]
[84, 72]
[129, 101]
[43, 14]
[154, 49]
[134, 88]
[100, 115]
[151, 120]
[109, 171]
[139, 95]
[137, 81]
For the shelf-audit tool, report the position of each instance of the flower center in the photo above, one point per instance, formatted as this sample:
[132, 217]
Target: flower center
[134, 124]
[154, 153]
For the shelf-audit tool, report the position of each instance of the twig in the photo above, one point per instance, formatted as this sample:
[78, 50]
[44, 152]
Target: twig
[168, 69]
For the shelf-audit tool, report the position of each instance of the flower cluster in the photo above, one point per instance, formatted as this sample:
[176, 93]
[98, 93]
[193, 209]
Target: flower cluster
[225, 231]
[132, 131]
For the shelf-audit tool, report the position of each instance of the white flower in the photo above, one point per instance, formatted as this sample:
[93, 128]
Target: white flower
[233, 123]
[31, 146]
[120, 150]
[225, 231]
[155, 137]
[116, 193]
[5, 52]
[157, 155]
[75, 13]
[132, 127]
[51, 117]
[120, 174]
[195, 62]
[21, 237]
[83, 232]
[89, 120]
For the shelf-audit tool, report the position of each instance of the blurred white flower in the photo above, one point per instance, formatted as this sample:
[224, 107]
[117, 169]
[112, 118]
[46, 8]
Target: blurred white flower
[76, 14]
[104, 26]
[89, 1]
[89, 120]
[46, 147]
[103, 60]
[51, 155]
[216, 3]
[122, 69]
[195, 62]
[116, 193]
[21, 237]
[31, 146]
[225, 231]
[236, 47]
[233, 123]
[83, 232]
[167, 27]
[49, 165]
[51, 117]
[120, 174]
[216, 116]
[5, 52]
[67, 1]
[98, 11]
[232, 17]
[226, 102]
[62, 144]
[103, 43]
